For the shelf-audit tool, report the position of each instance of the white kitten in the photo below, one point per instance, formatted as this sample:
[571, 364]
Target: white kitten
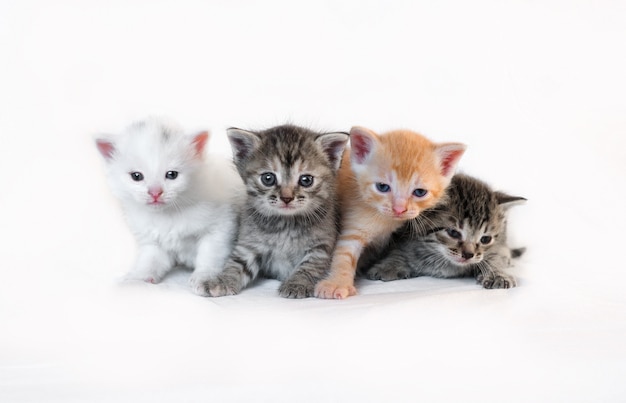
[182, 207]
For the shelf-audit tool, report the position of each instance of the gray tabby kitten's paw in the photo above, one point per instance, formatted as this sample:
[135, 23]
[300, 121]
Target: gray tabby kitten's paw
[496, 280]
[222, 286]
[296, 288]
[388, 273]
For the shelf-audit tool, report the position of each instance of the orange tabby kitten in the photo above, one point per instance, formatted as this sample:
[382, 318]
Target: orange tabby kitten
[386, 180]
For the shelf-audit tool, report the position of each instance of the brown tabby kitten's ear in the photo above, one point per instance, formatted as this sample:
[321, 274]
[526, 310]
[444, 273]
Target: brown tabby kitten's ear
[242, 142]
[333, 145]
[106, 147]
[508, 201]
[199, 142]
[449, 156]
[362, 143]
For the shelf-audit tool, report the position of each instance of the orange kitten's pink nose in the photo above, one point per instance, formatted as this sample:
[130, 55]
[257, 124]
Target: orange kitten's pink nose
[399, 208]
[155, 192]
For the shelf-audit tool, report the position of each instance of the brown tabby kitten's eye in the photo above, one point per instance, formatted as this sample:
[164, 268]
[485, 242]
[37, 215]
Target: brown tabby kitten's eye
[454, 233]
[485, 239]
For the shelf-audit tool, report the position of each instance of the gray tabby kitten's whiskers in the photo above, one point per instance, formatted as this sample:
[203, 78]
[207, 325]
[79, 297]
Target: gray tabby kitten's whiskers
[464, 235]
[289, 226]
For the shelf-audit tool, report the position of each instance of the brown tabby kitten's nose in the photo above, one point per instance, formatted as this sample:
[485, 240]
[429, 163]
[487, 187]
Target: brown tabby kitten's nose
[286, 200]
[467, 255]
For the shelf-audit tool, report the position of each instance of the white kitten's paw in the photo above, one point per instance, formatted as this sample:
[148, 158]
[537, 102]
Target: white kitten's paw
[148, 277]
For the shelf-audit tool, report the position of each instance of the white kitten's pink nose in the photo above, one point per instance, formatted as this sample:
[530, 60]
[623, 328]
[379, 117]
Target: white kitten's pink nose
[155, 192]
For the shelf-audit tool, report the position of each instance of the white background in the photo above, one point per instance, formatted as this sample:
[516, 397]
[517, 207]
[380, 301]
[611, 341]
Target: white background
[535, 88]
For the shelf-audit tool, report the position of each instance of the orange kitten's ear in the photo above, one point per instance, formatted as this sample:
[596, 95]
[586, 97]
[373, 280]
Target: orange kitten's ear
[449, 156]
[362, 143]
[242, 142]
[333, 145]
[199, 142]
[106, 148]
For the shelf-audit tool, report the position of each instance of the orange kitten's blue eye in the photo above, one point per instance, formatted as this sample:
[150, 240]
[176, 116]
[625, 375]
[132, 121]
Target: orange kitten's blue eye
[454, 233]
[383, 187]
[420, 192]
[485, 239]
[268, 179]
[171, 175]
[137, 176]
[305, 181]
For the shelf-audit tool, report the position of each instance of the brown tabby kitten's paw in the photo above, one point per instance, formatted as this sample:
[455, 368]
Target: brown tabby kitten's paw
[496, 280]
[330, 290]
[388, 273]
[221, 286]
[291, 288]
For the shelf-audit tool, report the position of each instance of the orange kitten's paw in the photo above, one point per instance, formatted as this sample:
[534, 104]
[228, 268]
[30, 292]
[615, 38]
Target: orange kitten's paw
[329, 290]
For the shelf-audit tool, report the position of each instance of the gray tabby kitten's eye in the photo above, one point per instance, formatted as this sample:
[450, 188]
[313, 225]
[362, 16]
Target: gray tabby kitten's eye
[137, 176]
[268, 179]
[306, 181]
[485, 239]
[171, 175]
[454, 233]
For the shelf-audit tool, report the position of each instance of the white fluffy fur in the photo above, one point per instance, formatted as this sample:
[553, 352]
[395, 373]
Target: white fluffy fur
[195, 224]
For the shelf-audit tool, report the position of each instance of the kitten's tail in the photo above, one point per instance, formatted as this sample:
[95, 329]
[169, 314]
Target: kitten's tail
[517, 252]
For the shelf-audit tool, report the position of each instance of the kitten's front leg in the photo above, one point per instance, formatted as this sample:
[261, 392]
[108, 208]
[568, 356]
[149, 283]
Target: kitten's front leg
[340, 281]
[152, 264]
[392, 267]
[240, 269]
[213, 251]
[490, 274]
[314, 267]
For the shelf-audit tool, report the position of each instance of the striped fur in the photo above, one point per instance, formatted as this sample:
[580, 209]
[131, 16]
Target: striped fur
[290, 225]
[401, 160]
[447, 240]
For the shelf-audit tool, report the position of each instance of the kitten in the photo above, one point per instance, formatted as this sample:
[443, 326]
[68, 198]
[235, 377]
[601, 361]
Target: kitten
[289, 227]
[463, 236]
[181, 207]
[386, 180]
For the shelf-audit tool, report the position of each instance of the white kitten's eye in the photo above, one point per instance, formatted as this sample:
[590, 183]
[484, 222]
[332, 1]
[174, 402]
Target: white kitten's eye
[137, 176]
[486, 239]
[171, 174]
[420, 192]
[382, 187]
[306, 181]
[268, 179]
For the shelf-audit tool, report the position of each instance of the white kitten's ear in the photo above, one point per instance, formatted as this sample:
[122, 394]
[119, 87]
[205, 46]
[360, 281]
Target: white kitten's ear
[333, 145]
[449, 156]
[362, 143]
[199, 142]
[106, 147]
[508, 201]
[242, 142]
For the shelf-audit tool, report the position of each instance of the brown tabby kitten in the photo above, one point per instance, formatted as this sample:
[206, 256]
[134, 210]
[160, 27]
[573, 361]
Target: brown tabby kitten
[465, 235]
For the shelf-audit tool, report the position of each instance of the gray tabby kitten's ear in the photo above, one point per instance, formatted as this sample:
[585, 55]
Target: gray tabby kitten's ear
[242, 142]
[333, 145]
[508, 201]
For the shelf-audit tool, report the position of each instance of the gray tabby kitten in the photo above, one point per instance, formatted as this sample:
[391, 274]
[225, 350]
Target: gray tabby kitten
[465, 235]
[289, 226]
